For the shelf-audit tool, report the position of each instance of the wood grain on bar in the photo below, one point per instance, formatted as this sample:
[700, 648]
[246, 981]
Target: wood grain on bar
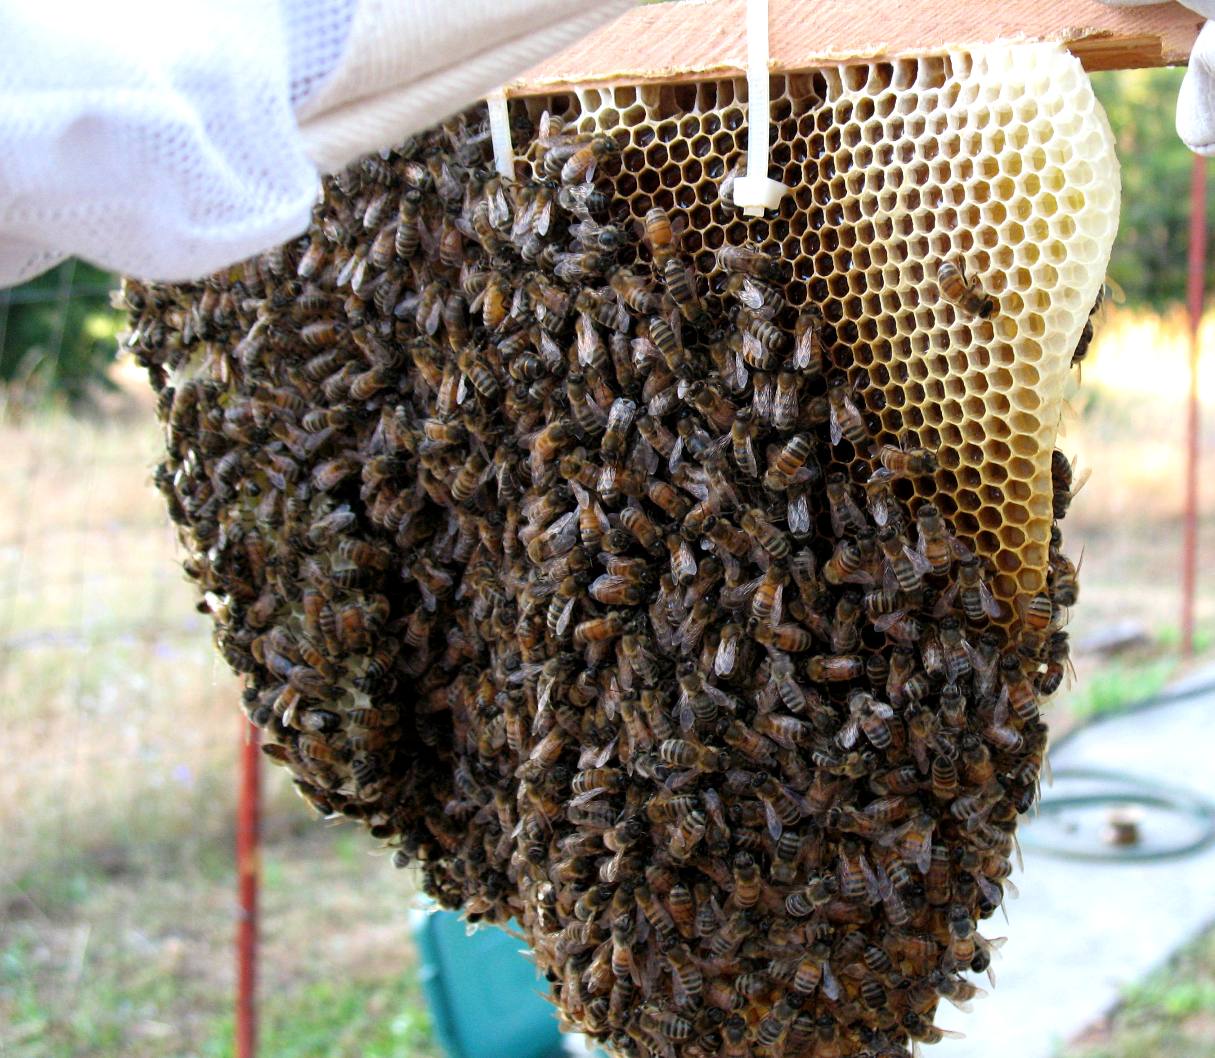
[696, 39]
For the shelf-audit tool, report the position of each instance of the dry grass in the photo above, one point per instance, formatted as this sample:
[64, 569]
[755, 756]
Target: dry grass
[120, 730]
[116, 792]
[102, 656]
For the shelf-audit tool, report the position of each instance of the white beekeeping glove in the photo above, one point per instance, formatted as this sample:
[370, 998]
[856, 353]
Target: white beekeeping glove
[170, 140]
[1196, 100]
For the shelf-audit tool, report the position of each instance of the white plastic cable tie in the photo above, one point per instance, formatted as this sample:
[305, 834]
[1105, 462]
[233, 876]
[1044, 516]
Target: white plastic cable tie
[756, 192]
[499, 131]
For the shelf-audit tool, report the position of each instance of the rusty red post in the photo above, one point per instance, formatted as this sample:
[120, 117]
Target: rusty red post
[248, 873]
[1195, 284]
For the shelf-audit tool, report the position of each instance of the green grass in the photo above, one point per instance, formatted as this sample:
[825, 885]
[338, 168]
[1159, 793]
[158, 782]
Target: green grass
[127, 1008]
[1118, 685]
[1169, 1015]
[341, 1019]
[135, 959]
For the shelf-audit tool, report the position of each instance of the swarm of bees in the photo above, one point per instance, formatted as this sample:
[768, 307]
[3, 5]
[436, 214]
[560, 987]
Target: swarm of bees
[595, 590]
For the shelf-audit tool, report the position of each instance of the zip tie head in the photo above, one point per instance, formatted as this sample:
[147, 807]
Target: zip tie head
[754, 194]
[499, 130]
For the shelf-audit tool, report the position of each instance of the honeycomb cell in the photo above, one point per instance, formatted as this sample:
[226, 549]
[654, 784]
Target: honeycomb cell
[1000, 158]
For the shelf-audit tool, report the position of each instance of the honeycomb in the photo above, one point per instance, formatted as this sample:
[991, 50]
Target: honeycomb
[592, 566]
[999, 157]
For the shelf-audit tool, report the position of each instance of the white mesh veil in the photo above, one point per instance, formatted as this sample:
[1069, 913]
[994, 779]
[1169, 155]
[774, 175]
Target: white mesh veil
[169, 140]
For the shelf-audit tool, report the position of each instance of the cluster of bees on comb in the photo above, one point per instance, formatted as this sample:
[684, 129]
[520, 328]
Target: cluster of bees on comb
[551, 563]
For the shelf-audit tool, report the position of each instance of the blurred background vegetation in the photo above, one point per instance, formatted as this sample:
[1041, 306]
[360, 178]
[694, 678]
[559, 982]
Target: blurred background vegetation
[120, 732]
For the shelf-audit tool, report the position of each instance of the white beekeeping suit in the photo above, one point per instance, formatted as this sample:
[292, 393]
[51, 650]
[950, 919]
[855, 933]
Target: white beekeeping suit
[170, 138]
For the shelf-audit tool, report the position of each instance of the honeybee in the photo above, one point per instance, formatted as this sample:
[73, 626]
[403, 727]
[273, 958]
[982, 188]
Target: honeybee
[681, 285]
[766, 603]
[1086, 335]
[1021, 697]
[753, 262]
[904, 463]
[741, 440]
[763, 331]
[1058, 665]
[846, 516]
[619, 421]
[791, 462]
[966, 294]
[582, 163]
[849, 564]
[846, 421]
[755, 523]
[808, 343]
[681, 753]
[604, 312]
[824, 668]
[1062, 488]
[907, 566]
[1036, 611]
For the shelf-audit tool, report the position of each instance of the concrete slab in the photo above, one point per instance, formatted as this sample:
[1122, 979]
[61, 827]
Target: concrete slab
[1081, 931]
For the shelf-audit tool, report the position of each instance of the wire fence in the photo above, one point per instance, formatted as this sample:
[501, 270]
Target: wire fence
[119, 731]
[111, 691]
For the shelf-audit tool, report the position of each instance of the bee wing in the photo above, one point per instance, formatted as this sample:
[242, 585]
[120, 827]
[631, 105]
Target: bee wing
[960, 550]
[923, 856]
[831, 986]
[727, 654]
[543, 214]
[428, 239]
[681, 779]
[590, 345]
[962, 1004]
[429, 320]
[879, 509]
[643, 457]
[837, 431]
[754, 349]
[807, 349]
[499, 206]
[888, 620]
[784, 410]
[894, 835]
[738, 376]
[837, 523]
[849, 733]
[563, 622]
[777, 605]
[885, 887]
[523, 221]
[587, 797]
[775, 827]
[643, 351]
[750, 294]
[1000, 713]
[945, 603]
[798, 513]
[918, 562]
[676, 454]
[991, 605]
[726, 189]
[872, 888]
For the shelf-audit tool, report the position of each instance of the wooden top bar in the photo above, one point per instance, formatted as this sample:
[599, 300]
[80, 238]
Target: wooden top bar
[697, 39]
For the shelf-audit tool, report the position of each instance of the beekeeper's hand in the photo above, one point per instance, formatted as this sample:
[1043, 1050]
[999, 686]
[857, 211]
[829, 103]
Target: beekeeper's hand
[169, 140]
[1196, 100]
